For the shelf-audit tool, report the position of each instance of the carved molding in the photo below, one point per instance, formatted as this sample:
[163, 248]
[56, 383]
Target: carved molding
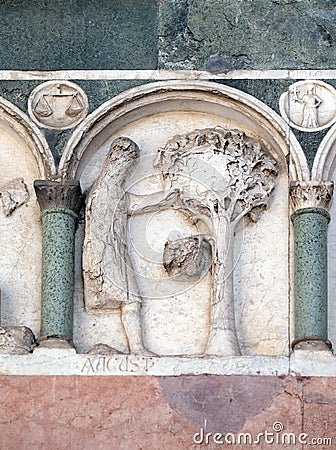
[59, 194]
[194, 96]
[311, 194]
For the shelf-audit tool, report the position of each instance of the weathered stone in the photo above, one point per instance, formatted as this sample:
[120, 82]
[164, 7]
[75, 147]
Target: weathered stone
[319, 405]
[58, 105]
[309, 105]
[103, 349]
[16, 340]
[247, 34]
[13, 195]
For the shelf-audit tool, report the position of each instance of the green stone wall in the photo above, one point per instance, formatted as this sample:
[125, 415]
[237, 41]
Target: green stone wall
[78, 34]
[247, 34]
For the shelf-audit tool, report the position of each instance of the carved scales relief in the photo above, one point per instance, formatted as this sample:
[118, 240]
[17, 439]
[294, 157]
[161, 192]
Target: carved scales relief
[214, 177]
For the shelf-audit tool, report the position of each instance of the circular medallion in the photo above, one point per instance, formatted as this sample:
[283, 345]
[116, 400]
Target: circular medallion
[309, 105]
[58, 105]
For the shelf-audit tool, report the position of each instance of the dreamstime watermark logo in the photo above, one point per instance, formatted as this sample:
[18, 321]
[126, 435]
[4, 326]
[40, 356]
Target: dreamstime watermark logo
[275, 436]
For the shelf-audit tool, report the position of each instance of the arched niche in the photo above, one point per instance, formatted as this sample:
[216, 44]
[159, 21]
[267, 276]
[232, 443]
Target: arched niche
[324, 169]
[151, 115]
[24, 157]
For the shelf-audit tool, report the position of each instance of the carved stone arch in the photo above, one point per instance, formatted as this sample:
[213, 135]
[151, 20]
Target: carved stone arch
[25, 130]
[198, 96]
[325, 159]
[151, 115]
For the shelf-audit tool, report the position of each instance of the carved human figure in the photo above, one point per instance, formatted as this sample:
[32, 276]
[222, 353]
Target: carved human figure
[217, 177]
[107, 267]
[310, 102]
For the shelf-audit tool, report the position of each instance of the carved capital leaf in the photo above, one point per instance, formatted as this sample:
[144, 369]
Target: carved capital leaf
[59, 194]
[311, 194]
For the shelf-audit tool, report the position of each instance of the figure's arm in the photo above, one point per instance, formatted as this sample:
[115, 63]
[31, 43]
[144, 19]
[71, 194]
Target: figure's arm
[172, 198]
[295, 96]
[317, 101]
[158, 201]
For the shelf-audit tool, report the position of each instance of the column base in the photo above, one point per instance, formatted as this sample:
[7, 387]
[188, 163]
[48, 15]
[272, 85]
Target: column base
[55, 341]
[312, 343]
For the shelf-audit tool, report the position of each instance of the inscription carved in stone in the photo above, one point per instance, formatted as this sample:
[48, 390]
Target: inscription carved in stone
[101, 364]
[214, 177]
[309, 105]
[58, 105]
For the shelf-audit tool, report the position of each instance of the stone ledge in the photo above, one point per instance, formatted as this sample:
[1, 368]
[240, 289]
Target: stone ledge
[54, 361]
[156, 75]
[66, 362]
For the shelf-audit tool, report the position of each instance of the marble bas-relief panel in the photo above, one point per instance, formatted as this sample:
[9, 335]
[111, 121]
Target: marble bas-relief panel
[20, 233]
[173, 255]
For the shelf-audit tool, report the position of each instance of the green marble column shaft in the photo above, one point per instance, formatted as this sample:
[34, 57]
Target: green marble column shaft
[58, 247]
[60, 203]
[310, 273]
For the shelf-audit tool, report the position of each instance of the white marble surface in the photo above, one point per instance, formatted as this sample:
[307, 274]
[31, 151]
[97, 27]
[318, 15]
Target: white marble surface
[176, 315]
[20, 236]
[55, 361]
[252, 74]
[67, 362]
[175, 318]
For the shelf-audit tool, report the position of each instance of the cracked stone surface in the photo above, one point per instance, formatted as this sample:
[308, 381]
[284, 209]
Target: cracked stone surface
[247, 34]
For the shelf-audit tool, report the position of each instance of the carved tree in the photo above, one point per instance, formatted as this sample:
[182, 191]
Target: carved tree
[238, 178]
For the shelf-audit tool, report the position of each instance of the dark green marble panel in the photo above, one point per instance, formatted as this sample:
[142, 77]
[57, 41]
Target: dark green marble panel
[311, 274]
[78, 34]
[241, 34]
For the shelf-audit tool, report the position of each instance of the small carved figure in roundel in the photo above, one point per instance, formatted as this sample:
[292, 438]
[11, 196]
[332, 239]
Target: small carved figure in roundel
[309, 105]
[58, 105]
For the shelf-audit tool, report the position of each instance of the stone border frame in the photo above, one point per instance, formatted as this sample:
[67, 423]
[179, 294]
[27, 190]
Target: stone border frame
[31, 134]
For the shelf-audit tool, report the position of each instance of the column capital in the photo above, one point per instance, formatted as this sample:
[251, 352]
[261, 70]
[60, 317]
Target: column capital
[59, 194]
[311, 194]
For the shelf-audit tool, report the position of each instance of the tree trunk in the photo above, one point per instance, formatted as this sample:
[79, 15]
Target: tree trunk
[222, 340]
